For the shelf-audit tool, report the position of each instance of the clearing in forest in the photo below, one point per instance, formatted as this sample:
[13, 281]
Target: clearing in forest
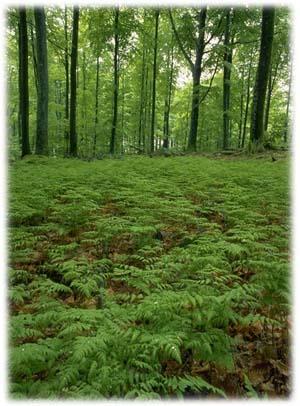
[149, 278]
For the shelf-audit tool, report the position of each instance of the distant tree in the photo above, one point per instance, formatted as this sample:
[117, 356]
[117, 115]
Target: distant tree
[42, 81]
[67, 78]
[73, 83]
[262, 76]
[23, 83]
[112, 146]
[170, 68]
[196, 69]
[227, 60]
[154, 81]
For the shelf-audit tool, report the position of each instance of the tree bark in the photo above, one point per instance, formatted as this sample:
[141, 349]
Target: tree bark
[67, 81]
[286, 131]
[241, 108]
[262, 76]
[23, 83]
[73, 83]
[141, 99]
[154, 82]
[192, 140]
[168, 100]
[42, 78]
[116, 83]
[271, 83]
[247, 101]
[96, 105]
[227, 59]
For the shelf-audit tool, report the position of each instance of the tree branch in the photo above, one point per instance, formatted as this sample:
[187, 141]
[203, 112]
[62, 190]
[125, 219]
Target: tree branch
[186, 55]
[210, 82]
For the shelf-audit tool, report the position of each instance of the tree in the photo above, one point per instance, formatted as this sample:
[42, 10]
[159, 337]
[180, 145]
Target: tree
[116, 82]
[196, 69]
[42, 81]
[170, 69]
[96, 104]
[23, 83]
[226, 79]
[154, 81]
[73, 83]
[67, 79]
[262, 77]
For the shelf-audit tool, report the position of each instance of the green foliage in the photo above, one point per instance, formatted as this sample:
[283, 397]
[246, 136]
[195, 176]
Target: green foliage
[137, 270]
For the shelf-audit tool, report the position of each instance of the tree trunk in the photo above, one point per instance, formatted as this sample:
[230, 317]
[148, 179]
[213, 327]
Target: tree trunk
[145, 122]
[192, 141]
[262, 76]
[168, 100]
[66, 64]
[226, 81]
[96, 105]
[241, 108]
[42, 77]
[154, 82]
[285, 134]
[73, 83]
[247, 101]
[271, 83]
[141, 100]
[33, 55]
[23, 83]
[116, 84]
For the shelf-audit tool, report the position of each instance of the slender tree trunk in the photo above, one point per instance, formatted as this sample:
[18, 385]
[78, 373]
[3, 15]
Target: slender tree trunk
[168, 100]
[262, 76]
[141, 99]
[154, 81]
[116, 84]
[192, 141]
[247, 101]
[23, 83]
[286, 131]
[145, 109]
[123, 116]
[226, 81]
[96, 105]
[73, 83]
[271, 83]
[66, 65]
[241, 109]
[42, 75]
[33, 55]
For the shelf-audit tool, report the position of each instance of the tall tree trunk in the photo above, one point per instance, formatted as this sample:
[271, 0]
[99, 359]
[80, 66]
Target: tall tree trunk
[192, 141]
[168, 100]
[73, 83]
[42, 76]
[286, 131]
[96, 105]
[271, 83]
[226, 80]
[241, 108]
[154, 81]
[66, 65]
[145, 116]
[116, 83]
[142, 97]
[33, 55]
[23, 83]
[262, 76]
[123, 116]
[247, 101]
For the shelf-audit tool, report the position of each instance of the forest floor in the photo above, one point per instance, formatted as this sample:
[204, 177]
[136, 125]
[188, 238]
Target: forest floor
[149, 277]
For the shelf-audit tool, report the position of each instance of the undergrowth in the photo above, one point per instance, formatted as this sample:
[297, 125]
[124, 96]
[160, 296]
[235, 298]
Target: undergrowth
[148, 278]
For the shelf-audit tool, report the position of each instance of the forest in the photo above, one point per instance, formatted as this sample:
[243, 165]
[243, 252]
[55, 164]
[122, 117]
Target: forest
[148, 224]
